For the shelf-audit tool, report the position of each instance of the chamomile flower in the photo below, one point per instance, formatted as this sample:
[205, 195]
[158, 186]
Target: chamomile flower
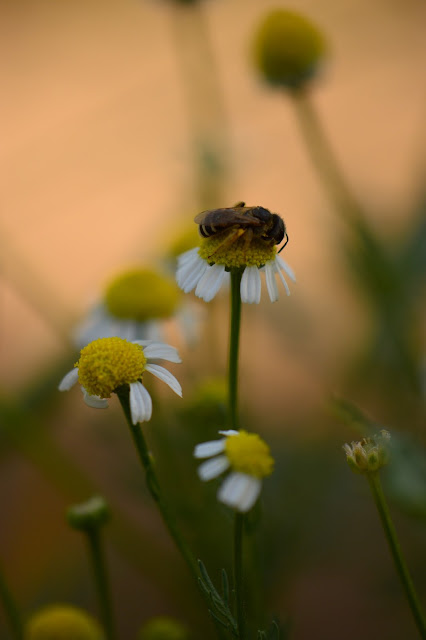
[107, 365]
[136, 304]
[249, 459]
[206, 268]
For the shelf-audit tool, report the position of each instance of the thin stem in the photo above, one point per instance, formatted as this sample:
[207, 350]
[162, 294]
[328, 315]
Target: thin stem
[204, 102]
[101, 581]
[11, 610]
[395, 549]
[153, 485]
[323, 158]
[234, 343]
[238, 573]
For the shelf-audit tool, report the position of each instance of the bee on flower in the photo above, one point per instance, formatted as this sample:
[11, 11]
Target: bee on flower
[247, 457]
[240, 239]
[107, 365]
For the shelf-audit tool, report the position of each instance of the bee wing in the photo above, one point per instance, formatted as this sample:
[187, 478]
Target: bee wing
[228, 217]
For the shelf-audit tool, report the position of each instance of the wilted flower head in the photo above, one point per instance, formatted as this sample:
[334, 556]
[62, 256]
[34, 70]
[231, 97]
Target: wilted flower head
[248, 457]
[62, 622]
[369, 454]
[288, 49]
[107, 365]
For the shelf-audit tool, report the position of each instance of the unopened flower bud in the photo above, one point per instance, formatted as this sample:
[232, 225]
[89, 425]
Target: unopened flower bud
[62, 622]
[288, 49]
[163, 628]
[88, 515]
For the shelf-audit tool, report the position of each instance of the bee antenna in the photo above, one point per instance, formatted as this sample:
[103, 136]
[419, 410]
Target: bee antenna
[286, 240]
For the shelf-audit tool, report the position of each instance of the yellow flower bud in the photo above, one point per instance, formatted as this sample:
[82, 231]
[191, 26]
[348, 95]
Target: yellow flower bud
[288, 49]
[63, 622]
[163, 628]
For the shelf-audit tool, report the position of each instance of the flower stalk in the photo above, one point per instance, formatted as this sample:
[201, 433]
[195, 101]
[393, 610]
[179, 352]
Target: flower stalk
[395, 549]
[89, 518]
[234, 343]
[101, 581]
[11, 610]
[238, 574]
[323, 157]
[153, 484]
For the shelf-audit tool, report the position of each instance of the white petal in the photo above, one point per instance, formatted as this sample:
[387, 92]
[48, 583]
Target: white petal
[270, 281]
[212, 468]
[239, 491]
[162, 351]
[250, 285]
[208, 449]
[140, 403]
[69, 380]
[283, 280]
[94, 401]
[189, 274]
[230, 432]
[210, 283]
[165, 376]
[285, 267]
[188, 256]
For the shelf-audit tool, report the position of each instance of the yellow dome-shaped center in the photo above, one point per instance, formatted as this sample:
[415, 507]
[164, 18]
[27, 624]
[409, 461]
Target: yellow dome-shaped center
[108, 363]
[248, 453]
[142, 294]
[222, 249]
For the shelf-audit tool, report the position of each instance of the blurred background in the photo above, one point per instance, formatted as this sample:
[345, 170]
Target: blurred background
[123, 120]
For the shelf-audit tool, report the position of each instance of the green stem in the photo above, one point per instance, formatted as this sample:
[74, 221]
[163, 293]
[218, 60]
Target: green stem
[323, 157]
[395, 549]
[11, 610]
[153, 485]
[234, 342]
[101, 581]
[238, 573]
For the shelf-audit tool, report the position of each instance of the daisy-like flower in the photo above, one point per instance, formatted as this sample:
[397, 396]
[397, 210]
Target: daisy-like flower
[206, 268]
[249, 459]
[136, 304]
[107, 364]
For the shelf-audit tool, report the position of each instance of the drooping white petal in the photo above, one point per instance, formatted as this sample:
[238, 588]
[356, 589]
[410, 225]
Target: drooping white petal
[270, 281]
[229, 432]
[165, 375]
[69, 380]
[161, 351]
[212, 468]
[189, 274]
[239, 491]
[285, 267]
[94, 401]
[283, 280]
[209, 449]
[250, 285]
[210, 283]
[140, 403]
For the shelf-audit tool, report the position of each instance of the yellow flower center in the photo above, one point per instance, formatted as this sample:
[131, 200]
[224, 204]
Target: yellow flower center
[142, 295]
[108, 363]
[63, 622]
[241, 252]
[248, 453]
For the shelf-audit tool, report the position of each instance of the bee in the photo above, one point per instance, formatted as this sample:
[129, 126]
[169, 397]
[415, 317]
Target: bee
[252, 221]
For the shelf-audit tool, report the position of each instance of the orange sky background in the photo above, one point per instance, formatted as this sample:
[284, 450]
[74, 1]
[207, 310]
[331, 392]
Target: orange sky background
[97, 166]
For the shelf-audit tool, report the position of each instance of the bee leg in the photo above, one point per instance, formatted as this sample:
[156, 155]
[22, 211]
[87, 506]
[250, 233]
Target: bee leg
[229, 240]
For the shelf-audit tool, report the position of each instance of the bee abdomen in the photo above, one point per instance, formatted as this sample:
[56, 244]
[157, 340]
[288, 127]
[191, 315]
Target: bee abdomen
[207, 230]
